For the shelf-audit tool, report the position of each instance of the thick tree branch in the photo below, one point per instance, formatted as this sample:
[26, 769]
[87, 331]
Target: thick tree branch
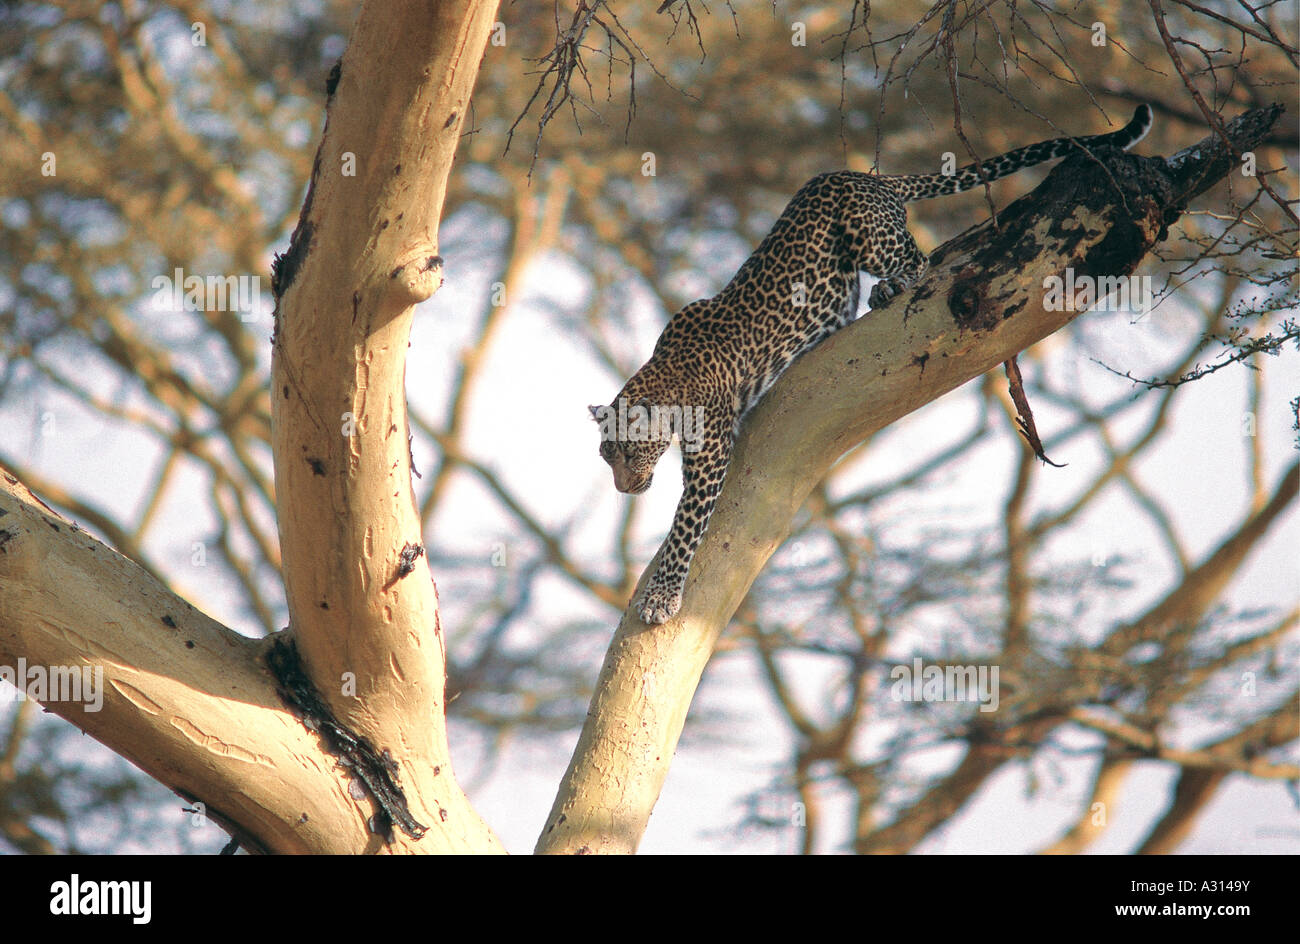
[184, 698]
[362, 604]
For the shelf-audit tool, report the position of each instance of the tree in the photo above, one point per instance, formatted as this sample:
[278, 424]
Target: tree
[196, 704]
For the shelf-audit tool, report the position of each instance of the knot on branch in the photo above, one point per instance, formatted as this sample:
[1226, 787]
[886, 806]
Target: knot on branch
[415, 281]
[966, 302]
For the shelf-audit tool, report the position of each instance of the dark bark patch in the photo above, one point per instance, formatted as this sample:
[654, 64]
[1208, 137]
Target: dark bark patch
[375, 771]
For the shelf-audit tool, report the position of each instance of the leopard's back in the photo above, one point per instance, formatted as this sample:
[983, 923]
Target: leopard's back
[798, 287]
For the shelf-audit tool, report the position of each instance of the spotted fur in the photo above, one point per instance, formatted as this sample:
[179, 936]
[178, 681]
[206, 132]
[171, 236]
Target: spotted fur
[721, 354]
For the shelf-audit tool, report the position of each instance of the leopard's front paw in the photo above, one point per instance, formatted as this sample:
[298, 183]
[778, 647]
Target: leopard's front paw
[659, 604]
[883, 291]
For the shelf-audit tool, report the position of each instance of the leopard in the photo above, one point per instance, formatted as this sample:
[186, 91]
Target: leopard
[718, 356]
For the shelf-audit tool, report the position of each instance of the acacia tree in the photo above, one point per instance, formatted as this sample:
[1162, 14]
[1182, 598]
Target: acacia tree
[221, 718]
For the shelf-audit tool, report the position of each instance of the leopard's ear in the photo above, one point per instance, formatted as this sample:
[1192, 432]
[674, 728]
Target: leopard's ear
[595, 412]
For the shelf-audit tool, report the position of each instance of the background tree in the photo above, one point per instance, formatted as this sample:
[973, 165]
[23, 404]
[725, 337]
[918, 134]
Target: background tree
[1110, 638]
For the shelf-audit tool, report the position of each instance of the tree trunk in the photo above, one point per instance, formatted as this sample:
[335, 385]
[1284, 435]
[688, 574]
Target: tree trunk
[193, 703]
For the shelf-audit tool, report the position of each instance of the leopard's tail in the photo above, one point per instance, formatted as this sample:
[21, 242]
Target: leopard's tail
[925, 186]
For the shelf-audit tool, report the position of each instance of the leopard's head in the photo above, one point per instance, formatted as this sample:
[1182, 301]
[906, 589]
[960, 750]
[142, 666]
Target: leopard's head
[631, 441]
